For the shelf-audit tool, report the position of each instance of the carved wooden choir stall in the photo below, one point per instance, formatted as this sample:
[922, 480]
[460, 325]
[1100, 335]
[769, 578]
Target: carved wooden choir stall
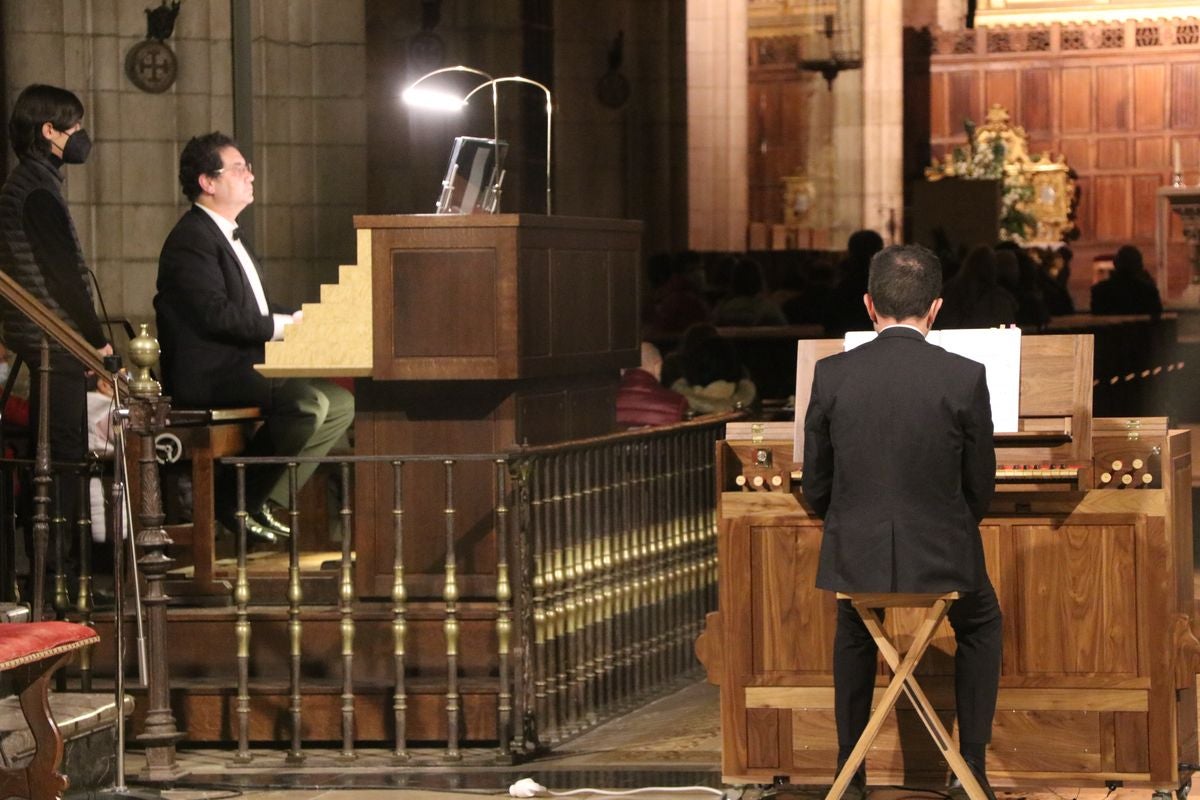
[1089, 545]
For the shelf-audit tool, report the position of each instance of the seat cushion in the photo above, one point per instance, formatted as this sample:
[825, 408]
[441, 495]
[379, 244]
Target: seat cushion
[26, 642]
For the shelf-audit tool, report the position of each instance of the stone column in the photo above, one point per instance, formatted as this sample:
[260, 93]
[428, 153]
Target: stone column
[883, 117]
[718, 186]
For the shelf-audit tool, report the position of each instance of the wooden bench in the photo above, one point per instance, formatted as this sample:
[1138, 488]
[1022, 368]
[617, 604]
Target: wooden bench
[200, 436]
[30, 653]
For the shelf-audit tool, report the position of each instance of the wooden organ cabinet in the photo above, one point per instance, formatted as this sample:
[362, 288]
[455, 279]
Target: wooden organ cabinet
[1089, 545]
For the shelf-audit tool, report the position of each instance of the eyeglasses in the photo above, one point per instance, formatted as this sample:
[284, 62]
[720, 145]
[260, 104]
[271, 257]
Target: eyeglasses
[237, 169]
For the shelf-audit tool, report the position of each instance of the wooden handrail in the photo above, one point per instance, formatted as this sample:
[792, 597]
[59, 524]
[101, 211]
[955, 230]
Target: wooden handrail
[51, 324]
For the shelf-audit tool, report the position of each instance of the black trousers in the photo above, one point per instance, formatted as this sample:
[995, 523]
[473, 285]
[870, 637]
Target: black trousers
[976, 620]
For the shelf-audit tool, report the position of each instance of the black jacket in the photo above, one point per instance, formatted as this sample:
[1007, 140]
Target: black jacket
[40, 250]
[209, 324]
[899, 461]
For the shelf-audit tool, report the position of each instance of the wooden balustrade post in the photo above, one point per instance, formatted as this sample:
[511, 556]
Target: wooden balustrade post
[147, 417]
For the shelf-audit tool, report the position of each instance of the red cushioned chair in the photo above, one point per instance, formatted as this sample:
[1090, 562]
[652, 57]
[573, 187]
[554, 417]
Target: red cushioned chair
[30, 653]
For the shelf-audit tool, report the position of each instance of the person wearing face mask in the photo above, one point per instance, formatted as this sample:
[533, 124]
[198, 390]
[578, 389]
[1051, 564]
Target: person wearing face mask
[40, 250]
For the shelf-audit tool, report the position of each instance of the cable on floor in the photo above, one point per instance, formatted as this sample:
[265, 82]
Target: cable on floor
[528, 787]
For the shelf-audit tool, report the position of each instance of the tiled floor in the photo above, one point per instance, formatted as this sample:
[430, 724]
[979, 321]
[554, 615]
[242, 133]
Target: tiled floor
[673, 742]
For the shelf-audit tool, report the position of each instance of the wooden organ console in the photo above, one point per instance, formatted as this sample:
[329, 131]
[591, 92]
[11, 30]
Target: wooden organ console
[1089, 545]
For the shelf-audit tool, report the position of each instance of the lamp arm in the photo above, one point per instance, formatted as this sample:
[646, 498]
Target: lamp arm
[458, 68]
[549, 124]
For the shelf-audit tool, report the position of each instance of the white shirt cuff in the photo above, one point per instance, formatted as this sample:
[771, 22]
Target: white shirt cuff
[281, 321]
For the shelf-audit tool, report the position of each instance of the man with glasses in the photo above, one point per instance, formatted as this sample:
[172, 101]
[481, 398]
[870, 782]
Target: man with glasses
[213, 320]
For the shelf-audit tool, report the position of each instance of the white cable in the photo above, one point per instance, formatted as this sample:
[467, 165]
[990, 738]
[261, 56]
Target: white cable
[528, 787]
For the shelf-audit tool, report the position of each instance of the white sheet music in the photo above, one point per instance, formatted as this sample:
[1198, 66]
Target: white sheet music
[998, 349]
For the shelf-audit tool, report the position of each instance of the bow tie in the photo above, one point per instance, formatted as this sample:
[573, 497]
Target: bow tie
[237, 234]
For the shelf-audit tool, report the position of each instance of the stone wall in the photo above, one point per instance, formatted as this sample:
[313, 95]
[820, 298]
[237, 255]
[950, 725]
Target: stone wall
[309, 108]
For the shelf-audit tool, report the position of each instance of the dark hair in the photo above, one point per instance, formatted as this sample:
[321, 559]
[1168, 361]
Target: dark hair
[863, 244]
[747, 278]
[35, 106]
[905, 280]
[201, 156]
[1128, 261]
[714, 359]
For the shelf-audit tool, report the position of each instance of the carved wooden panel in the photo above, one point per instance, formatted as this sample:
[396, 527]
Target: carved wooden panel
[793, 618]
[1112, 98]
[1075, 619]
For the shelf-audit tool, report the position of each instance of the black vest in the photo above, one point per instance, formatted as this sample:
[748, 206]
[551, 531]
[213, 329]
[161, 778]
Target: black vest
[16, 255]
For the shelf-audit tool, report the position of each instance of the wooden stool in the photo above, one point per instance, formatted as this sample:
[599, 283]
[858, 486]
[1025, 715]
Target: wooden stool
[204, 435]
[31, 652]
[904, 679]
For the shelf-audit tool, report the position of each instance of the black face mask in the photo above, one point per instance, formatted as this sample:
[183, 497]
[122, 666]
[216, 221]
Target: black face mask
[78, 145]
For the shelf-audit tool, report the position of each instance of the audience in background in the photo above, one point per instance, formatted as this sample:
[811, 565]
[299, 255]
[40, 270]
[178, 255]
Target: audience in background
[642, 400]
[1129, 290]
[1018, 273]
[974, 298]
[747, 305]
[807, 307]
[673, 303]
[845, 310]
[1054, 275]
[712, 376]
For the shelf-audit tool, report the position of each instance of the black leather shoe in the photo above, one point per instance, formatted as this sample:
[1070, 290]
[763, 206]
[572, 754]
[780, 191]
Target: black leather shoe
[267, 516]
[957, 792]
[256, 532]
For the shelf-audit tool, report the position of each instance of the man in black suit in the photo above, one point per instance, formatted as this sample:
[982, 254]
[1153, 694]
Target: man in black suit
[213, 320]
[899, 462]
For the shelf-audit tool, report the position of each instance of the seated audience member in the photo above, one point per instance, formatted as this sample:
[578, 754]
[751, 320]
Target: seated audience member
[974, 297]
[1129, 290]
[642, 400]
[845, 310]
[713, 379]
[673, 303]
[1053, 278]
[746, 304]
[808, 306]
[1018, 274]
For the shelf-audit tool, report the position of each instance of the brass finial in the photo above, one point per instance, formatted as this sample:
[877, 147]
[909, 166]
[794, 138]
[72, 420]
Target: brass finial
[143, 353]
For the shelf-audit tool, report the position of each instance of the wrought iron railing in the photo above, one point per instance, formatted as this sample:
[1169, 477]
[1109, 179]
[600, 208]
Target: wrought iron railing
[604, 567]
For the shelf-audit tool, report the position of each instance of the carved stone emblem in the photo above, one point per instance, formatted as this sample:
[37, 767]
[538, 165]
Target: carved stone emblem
[151, 64]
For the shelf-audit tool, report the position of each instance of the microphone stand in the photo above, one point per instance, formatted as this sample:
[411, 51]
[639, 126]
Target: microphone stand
[122, 518]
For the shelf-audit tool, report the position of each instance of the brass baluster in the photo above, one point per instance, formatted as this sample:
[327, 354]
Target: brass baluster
[346, 601]
[609, 524]
[399, 615]
[638, 603]
[629, 571]
[41, 485]
[450, 596]
[241, 599]
[595, 582]
[538, 581]
[295, 596]
[62, 600]
[658, 561]
[578, 578]
[83, 600]
[678, 558]
[570, 594]
[558, 531]
[503, 613]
